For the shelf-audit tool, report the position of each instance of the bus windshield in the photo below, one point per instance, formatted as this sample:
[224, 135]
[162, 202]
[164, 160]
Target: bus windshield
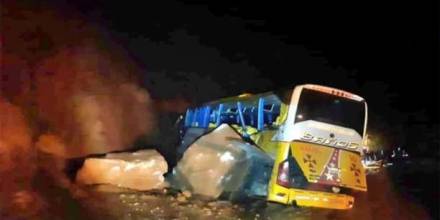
[327, 108]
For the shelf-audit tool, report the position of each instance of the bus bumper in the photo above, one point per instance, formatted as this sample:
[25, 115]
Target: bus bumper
[311, 198]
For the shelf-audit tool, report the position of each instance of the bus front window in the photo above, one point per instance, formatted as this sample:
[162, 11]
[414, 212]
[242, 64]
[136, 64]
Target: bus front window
[331, 109]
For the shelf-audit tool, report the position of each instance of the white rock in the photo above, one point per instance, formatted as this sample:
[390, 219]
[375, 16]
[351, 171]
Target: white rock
[141, 170]
[186, 193]
[181, 198]
[208, 161]
[221, 161]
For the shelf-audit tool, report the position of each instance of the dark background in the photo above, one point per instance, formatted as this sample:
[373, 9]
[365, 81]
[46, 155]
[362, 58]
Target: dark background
[385, 52]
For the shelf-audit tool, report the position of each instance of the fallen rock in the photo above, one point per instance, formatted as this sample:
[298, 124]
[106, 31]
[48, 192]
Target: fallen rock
[186, 193]
[222, 163]
[181, 198]
[110, 189]
[141, 170]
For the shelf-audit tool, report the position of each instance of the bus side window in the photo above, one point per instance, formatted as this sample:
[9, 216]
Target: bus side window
[248, 117]
[198, 117]
[271, 112]
[213, 116]
[188, 118]
[229, 116]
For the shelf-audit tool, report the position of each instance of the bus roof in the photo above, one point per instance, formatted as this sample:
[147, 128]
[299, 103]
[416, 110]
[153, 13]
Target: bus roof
[248, 99]
[271, 97]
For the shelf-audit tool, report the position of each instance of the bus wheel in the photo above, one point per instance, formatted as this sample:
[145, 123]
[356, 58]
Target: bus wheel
[295, 204]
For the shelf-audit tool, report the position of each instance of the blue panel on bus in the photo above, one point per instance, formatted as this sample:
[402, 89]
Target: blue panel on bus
[258, 113]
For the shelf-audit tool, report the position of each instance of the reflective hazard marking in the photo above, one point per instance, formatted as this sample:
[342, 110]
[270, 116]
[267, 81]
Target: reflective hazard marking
[331, 174]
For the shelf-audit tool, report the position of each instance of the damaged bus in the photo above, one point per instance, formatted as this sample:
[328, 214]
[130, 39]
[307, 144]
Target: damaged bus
[314, 134]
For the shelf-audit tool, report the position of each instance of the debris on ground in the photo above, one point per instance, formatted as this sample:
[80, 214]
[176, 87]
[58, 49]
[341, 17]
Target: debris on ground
[141, 170]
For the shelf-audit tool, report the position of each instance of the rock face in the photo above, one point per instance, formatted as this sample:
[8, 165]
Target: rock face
[222, 163]
[141, 170]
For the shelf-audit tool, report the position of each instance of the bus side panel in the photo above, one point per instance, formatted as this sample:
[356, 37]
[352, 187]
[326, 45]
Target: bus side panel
[277, 193]
[263, 140]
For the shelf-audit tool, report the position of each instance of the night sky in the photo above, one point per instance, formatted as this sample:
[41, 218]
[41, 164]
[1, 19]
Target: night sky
[382, 51]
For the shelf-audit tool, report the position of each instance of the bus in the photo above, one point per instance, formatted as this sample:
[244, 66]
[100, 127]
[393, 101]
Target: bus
[315, 135]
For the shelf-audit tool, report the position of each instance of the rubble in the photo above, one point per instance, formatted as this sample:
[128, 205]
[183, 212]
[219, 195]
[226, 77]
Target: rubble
[221, 163]
[186, 193]
[141, 170]
[181, 198]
